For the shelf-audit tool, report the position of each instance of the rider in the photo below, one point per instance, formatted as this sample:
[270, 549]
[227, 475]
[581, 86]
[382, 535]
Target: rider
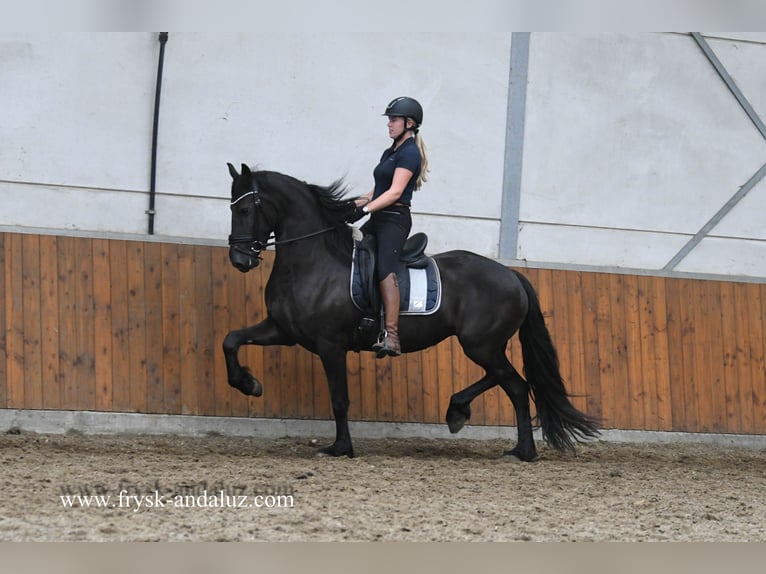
[401, 170]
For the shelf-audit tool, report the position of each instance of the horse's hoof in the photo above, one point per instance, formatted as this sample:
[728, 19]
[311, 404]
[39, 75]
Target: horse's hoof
[247, 384]
[456, 425]
[335, 451]
[518, 455]
[457, 417]
[251, 386]
[256, 389]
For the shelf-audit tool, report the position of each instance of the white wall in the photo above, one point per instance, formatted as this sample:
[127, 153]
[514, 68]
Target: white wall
[631, 142]
[310, 106]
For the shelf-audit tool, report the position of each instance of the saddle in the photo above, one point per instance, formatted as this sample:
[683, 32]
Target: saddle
[418, 277]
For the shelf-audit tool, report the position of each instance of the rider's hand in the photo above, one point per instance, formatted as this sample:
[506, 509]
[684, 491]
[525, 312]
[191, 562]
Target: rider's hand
[356, 215]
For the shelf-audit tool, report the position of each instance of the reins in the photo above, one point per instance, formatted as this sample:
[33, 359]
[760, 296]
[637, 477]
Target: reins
[282, 242]
[294, 239]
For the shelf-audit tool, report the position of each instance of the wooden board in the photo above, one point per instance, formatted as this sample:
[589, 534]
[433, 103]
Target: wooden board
[4, 269]
[32, 322]
[14, 328]
[131, 326]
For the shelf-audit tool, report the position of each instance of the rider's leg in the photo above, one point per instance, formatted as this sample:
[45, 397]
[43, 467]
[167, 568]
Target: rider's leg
[389, 292]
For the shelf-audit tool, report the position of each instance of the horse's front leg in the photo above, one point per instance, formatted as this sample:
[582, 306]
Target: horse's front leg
[264, 333]
[334, 362]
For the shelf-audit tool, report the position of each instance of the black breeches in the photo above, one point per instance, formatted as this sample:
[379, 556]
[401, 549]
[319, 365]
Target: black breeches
[391, 226]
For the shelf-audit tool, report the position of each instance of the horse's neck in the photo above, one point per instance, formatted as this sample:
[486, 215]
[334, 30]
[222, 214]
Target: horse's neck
[298, 225]
[298, 254]
[301, 240]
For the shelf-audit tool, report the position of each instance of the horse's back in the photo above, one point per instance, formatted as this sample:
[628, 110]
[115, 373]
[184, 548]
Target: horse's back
[480, 283]
[475, 268]
[482, 301]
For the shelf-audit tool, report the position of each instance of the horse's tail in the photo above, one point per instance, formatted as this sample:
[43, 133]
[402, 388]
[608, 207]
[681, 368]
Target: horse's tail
[560, 421]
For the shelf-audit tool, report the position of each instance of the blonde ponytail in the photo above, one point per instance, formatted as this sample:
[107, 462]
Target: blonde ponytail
[423, 177]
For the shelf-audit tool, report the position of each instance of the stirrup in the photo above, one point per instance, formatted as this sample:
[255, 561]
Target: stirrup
[383, 346]
[380, 344]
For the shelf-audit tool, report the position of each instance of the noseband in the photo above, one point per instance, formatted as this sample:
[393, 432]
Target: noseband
[248, 245]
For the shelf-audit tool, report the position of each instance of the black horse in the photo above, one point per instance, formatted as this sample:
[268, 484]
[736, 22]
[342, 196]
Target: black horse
[308, 303]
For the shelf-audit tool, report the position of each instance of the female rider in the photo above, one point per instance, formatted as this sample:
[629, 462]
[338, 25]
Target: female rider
[399, 173]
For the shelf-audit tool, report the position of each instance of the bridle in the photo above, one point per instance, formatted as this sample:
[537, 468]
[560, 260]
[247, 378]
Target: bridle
[249, 245]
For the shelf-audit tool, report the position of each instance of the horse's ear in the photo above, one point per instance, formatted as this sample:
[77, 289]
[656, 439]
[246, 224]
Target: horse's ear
[232, 171]
[246, 170]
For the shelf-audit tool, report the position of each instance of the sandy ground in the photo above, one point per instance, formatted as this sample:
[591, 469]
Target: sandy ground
[225, 489]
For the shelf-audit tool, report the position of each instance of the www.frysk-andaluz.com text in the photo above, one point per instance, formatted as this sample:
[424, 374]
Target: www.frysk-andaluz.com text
[137, 497]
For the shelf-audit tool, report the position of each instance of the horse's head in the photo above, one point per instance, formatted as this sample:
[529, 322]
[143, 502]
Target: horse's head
[249, 229]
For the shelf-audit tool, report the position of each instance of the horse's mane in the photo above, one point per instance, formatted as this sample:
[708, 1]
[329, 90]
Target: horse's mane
[333, 206]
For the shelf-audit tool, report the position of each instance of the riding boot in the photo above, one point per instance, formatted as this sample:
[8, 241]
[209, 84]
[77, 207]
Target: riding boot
[388, 341]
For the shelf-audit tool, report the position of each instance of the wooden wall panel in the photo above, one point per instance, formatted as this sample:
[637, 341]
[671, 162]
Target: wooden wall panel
[33, 361]
[171, 338]
[67, 287]
[4, 270]
[187, 330]
[758, 352]
[85, 363]
[155, 391]
[137, 328]
[14, 327]
[662, 362]
[743, 357]
[761, 425]
[118, 303]
[590, 365]
[102, 325]
[132, 326]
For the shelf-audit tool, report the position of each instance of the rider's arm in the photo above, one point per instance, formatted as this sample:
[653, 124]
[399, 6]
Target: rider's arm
[363, 199]
[400, 180]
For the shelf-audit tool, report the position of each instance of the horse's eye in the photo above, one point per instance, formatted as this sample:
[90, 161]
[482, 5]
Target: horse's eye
[244, 211]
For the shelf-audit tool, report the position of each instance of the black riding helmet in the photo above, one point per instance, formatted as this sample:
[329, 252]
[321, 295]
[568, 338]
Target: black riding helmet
[406, 108]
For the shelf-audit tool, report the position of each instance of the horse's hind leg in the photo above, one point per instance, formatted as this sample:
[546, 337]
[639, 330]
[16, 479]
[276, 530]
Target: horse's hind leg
[517, 390]
[459, 409]
[492, 359]
[499, 371]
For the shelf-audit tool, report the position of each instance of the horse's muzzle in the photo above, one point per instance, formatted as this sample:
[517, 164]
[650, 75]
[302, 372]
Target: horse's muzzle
[243, 260]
